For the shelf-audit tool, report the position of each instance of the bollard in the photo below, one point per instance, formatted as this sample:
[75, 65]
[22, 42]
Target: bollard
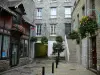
[98, 72]
[56, 62]
[43, 70]
[53, 67]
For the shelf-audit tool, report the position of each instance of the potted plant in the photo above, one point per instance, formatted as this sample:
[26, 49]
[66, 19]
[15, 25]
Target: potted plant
[44, 40]
[33, 39]
[74, 35]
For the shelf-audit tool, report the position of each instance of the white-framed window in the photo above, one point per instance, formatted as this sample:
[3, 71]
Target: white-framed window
[38, 29]
[52, 29]
[53, 1]
[67, 12]
[67, 0]
[53, 13]
[39, 13]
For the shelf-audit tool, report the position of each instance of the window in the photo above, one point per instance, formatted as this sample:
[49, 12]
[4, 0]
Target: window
[26, 48]
[0, 44]
[52, 30]
[39, 13]
[24, 45]
[83, 10]
[67, 12]
[38, 29]
[5, 50]
[53, 1]
[67, 29]
[53, 12]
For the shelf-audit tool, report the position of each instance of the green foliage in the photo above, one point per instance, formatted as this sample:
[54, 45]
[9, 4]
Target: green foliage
[44, 40]
[59, 39]
[33, 39]
[56, 47]
[74, 35]
[88, 25]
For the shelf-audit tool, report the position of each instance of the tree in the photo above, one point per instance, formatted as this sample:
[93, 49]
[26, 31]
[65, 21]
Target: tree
[44, 40]
[58, 46]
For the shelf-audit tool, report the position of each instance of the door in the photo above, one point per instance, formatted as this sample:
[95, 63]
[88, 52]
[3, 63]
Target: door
[94, 54]
[14, 52]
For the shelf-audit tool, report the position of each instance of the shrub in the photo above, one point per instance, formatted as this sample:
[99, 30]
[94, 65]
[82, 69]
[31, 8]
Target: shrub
[59, 39]
[33, 39]
[44, 40]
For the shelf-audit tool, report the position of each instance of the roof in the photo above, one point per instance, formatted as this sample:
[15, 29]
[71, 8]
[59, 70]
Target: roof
[4, 5]
[27, 20]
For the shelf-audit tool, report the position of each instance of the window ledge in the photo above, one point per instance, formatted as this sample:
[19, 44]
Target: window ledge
[53, 35]
[38, 35]
[68, 18]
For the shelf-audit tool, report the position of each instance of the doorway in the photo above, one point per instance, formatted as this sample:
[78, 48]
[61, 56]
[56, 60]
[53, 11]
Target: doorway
[14, 52]
[94, 54]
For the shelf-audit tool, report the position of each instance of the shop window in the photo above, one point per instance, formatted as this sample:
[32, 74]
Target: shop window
[5, 50]
[21, 48]
[26, 48]
[0, 44]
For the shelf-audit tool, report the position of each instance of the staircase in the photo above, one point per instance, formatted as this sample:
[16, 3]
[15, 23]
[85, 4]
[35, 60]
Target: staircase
[70, 50]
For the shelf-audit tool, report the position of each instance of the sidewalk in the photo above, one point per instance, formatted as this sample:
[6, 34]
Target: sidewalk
[72, 69]
[36, 69]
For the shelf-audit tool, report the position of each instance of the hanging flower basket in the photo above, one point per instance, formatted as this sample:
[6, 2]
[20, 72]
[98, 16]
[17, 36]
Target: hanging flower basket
[88, 26]
[74, 35]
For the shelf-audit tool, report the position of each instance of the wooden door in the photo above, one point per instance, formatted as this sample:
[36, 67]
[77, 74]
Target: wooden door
[94, 54]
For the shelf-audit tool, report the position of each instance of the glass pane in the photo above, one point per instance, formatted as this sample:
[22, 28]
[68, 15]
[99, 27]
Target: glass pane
[5, 51]
[22, 48]
[26, 48]
[0, 44]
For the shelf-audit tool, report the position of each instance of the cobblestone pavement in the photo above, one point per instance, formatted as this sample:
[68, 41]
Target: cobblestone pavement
[36, 69]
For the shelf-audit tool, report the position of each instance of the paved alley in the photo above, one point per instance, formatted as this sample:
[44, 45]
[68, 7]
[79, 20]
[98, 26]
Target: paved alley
[36, 68]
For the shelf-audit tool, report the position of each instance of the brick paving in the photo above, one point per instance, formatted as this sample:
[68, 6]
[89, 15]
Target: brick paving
[36, 68]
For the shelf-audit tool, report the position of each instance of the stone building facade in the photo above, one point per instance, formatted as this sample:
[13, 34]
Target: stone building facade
[89, 51]
[50, 15]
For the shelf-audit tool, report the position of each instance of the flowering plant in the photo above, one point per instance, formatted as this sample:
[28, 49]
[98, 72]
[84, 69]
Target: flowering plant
[88, 25]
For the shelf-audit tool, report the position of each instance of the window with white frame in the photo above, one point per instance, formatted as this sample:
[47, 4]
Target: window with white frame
[39, 13]
[53, 13]
[67, 12]
[52, 29]
[38, 29]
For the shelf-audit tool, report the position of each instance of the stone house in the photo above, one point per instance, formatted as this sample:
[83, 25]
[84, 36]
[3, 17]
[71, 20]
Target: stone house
[88, 51]
[52, 18]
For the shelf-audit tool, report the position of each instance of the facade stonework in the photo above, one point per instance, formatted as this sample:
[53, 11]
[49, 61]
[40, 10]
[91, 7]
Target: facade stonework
[88, 58]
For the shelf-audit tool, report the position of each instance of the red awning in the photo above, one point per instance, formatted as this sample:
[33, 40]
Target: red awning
[19, 28]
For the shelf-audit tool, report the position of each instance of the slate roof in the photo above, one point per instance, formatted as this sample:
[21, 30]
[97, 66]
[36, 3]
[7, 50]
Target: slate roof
[4, 5]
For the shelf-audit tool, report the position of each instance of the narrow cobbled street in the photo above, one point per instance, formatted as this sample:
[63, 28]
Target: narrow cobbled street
[36, 69]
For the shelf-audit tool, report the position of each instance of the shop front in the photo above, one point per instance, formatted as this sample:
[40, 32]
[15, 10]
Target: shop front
[16, 32]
